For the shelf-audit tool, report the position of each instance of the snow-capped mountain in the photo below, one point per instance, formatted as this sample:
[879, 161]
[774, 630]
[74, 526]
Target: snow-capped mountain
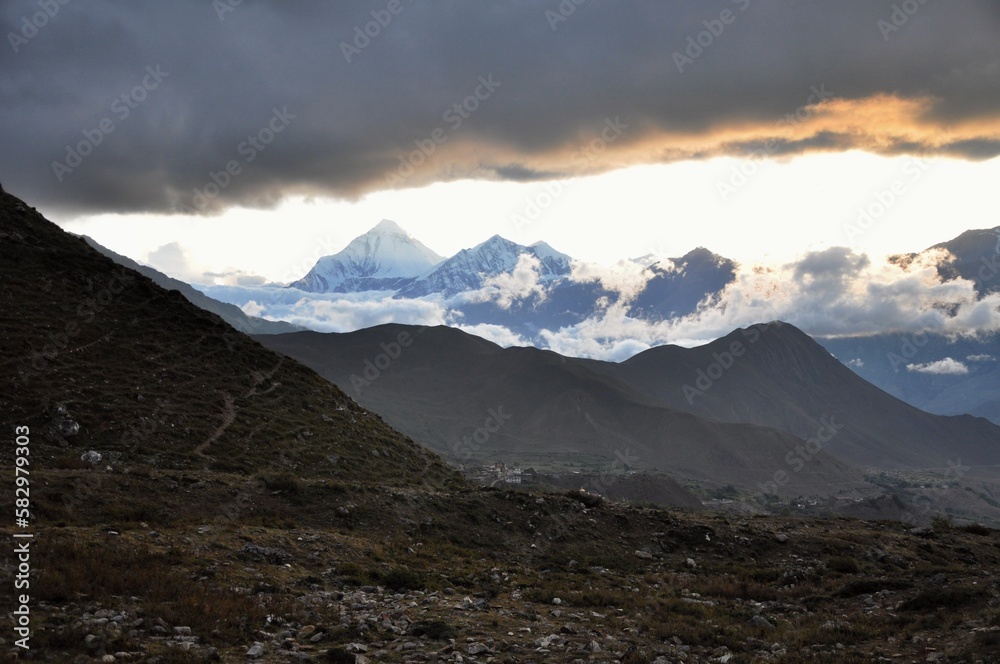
[384, 258]
[470, 268]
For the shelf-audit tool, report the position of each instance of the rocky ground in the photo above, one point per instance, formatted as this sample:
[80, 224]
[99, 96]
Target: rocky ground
[398, 575]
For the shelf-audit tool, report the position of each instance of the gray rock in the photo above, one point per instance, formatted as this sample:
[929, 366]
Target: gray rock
[267, 554]
[781, 537]
[182, 631]
[477, 648]
[91, 457]
[256, 651]
[761, 621]
[643, 555]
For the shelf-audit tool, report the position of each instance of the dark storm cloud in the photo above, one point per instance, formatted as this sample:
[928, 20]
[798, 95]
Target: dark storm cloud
[260, 102]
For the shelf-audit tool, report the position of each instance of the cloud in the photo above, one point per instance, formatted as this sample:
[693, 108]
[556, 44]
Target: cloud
[981, 358]
[830, 293]
[330, 312]
[349, 124]
[856, 362]
[173, 260]
[498, 334]
[518, 284]
[945, 367]
[627, 278]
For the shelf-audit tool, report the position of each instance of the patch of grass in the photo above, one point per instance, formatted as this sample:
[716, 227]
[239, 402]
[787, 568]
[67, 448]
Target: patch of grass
[977, 529]
[283, 481]
[872, 586]
[944, 598]
[843, 565]
[436, 629]
[399, 578]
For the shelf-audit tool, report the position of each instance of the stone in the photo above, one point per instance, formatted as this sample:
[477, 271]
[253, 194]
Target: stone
[267, 554]
[781, 537]
[182, 631]
[256, 651]
[91, 457]
[691, 564]
[643, 555]
[477, 648]
[761, 621]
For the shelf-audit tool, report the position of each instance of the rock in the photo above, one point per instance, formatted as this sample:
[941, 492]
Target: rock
[91, 457]
[643, 555]
[93, 642]
[267, 554]
[691, 564]
[921, 531]
[761, 621]
[356, 648]
[477, 648]
[781, 537]
[307, 631]
[108, 659]
[182, 631]
[556, 601]
[939, 579]
[256, 651]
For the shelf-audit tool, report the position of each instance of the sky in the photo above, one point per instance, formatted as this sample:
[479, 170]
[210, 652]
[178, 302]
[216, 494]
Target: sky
[222, 138]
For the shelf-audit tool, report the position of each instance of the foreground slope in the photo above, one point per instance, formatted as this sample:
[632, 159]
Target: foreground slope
[98, 357]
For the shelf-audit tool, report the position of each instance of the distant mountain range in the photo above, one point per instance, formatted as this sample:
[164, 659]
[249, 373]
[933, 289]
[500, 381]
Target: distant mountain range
[387, 258]
[765, 409]
[944, 375]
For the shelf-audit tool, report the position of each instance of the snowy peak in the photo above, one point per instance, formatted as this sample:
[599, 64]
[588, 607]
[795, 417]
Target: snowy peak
[384, 258]
[470, 268]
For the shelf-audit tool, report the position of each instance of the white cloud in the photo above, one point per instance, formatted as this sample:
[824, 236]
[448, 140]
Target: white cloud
[330, 312]
[981, 358]
[856, 362]
[947, 366]
[834, 292]
[518, 284]
[627, 277]
[498, 334]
